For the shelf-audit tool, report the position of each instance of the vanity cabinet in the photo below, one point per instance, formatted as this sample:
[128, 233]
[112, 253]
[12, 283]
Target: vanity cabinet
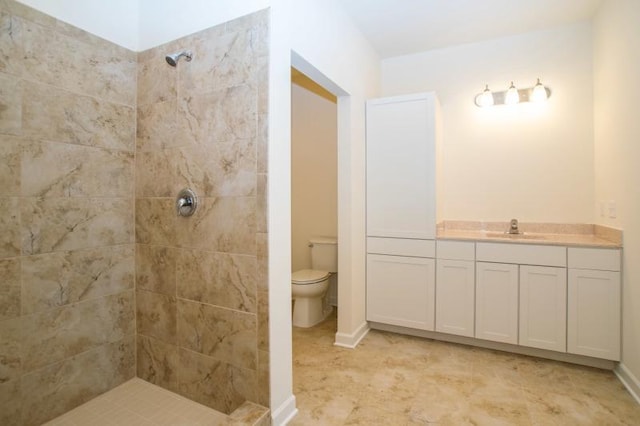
[455, 288]
[594, 303]
[497, 302]
[543, 307]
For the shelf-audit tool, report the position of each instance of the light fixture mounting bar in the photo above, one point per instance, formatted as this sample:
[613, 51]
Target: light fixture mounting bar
[499, 97]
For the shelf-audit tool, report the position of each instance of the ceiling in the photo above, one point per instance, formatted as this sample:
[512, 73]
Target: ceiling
[401, 27]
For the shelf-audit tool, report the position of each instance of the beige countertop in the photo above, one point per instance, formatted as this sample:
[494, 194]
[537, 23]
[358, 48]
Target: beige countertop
[581, 235]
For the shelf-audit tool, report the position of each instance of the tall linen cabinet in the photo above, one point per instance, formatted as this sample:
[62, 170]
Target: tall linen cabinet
[402, 135]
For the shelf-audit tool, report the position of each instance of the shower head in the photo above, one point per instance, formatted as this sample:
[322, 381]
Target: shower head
[175, 57]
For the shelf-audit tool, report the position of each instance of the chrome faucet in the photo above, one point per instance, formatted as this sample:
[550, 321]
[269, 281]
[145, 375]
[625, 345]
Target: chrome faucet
[513, 227]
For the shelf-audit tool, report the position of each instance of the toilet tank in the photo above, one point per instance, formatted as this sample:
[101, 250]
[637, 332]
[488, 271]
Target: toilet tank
[324, 253]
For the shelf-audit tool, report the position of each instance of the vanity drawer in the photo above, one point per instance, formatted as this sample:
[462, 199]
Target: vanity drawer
[401, 247]
[455, 250]
[524, 254]
[594, 258]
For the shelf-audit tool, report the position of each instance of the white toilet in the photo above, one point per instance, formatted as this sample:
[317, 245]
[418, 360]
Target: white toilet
[309, 286]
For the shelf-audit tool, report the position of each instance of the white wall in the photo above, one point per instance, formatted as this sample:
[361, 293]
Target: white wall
[114, 20]
[617, 150]
[314, 172]
[531, 162]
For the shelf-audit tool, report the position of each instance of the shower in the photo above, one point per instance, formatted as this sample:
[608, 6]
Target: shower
[175, 57]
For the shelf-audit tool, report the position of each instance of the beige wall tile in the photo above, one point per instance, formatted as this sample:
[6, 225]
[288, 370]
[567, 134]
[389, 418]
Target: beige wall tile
[18, 9]
[10, 158]
[10, 241]
[57, 388]
[11, 403]
[264, 392]
[218, 279]
[10, 350]
[10, 294]
[156, 315]
[60, 333]
[156, 269]
[57, 115]
[157, 171]
[223, 334]
[156, 221]
[263, 292]
[60, 224]
[157, 362]
[66, 170]
[261, 203]
[214, 383]
[156, 126]
[56, 279]
[11, 112]
[156, 79]
[226, 224]
[262, 145]
[11, 48]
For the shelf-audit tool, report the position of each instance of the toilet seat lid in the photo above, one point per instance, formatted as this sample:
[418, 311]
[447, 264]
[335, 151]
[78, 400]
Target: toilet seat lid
[309, 276]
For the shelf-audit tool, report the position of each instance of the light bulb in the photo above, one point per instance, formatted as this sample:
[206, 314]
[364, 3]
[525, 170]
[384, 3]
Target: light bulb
[512, 97]
[486, 97]
[539, 93]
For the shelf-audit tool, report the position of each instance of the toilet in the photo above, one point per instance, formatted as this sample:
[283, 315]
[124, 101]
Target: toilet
[309, 286]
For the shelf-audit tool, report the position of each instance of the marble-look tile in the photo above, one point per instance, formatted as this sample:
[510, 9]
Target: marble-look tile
[56, 279]
[264, 391]
[250, 413]
[60, 387]
[57, 115]
[156, 269]
[223, 59]
[218, 279]
[223, 334]
[11, 403]
[67, 170]
[157, 173]
[106, 73]
[60, 333]
[11, 111]
[156, 126]
[262, 144]
[156, 315]
[61, 224]
[224, 115]
[10, 350]
[263, 291]
[157, 362]
[11, 45]
[10, 159]
[157, 80]
[226, 224]
[262, 201]
[156, 221]
[263, 85]
[10, 241]
[18, 9]
[10, 293]
[214, 383]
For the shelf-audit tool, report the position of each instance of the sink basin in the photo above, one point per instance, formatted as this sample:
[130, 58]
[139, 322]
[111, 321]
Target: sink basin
[520, 236]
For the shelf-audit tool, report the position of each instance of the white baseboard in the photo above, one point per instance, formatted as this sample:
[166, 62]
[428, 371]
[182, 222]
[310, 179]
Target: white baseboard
[282, 415]
[351, 340]
[629, 381]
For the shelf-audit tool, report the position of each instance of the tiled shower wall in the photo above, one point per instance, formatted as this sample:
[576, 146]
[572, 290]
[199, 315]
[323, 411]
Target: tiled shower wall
[67, 144]
[67, 200]
[201, 280]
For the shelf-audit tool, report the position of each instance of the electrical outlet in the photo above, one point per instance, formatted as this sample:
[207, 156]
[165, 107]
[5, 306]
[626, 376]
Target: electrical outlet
[612, 209]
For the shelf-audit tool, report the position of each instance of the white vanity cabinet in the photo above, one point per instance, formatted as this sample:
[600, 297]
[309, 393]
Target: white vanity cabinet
[497, 302]
[455, 287]
[593, 327]
[401, 282]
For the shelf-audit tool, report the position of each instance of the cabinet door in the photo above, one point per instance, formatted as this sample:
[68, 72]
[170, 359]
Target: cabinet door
[401, 167]
[543, 307]
[594, 313]
[455, 297]
[497, 302]
[400, 291]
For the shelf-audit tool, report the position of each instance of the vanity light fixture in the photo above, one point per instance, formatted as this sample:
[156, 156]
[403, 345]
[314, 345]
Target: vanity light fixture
[513, 95]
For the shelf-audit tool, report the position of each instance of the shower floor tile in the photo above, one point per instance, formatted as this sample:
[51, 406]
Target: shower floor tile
[139, 403]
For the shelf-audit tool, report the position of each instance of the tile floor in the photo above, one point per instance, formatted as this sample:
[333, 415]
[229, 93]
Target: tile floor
[391, 379]
[139, 403]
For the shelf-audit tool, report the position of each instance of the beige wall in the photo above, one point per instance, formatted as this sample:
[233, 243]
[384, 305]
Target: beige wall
[314, 172]
[202, 301]
[531, 162]
[67, 143]
[617, 151]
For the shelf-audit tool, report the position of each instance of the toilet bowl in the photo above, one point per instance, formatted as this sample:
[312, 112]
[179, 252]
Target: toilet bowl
[308, 289]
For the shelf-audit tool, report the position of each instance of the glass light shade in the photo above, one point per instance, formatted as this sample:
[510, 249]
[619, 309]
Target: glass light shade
[486, 97]
[512, 97]
[539, 93]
